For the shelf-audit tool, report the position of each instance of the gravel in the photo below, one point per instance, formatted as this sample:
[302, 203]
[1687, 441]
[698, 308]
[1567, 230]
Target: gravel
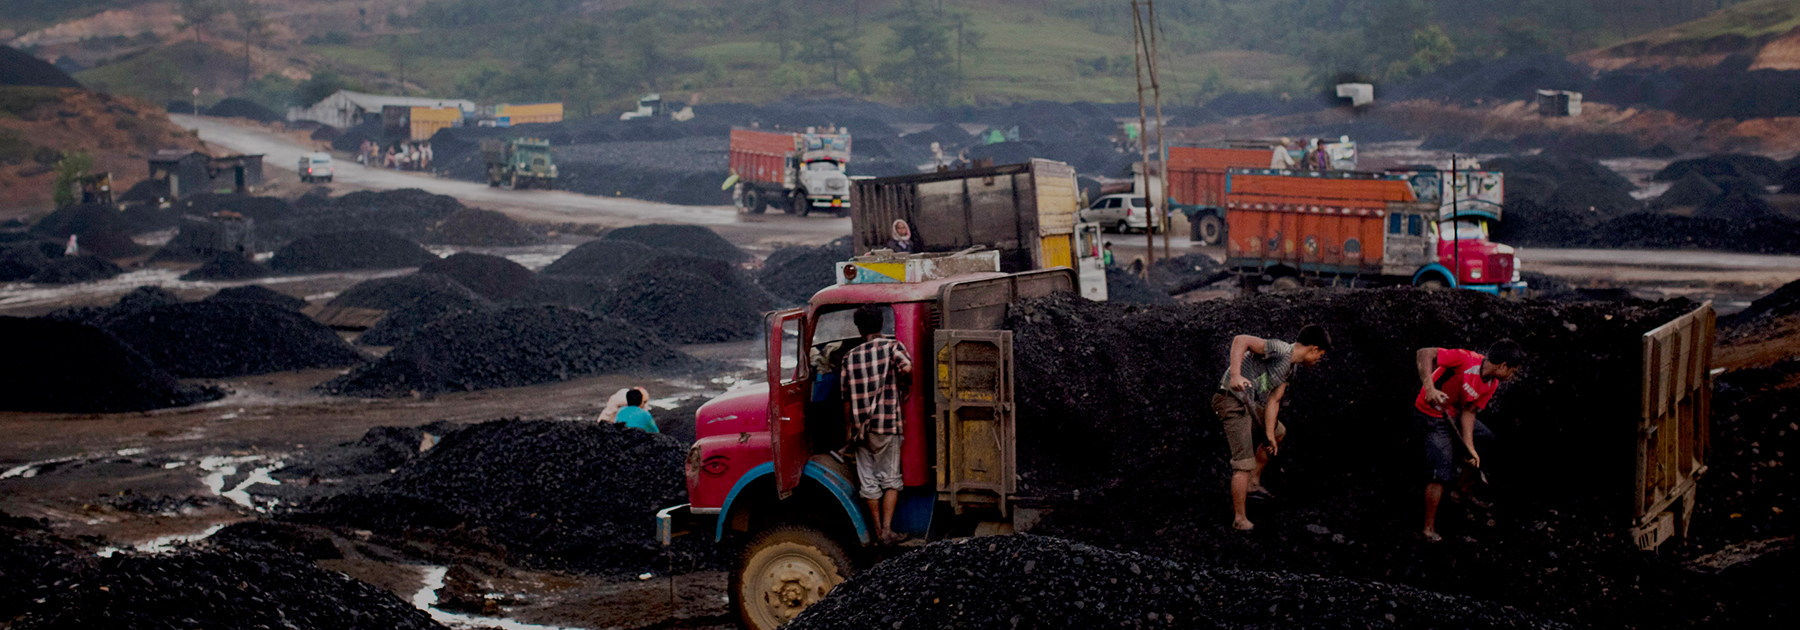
[70, 367]
[1025, 581]
[521, 345]
[343, 251]
[492, 277]
[576, 495]
[225, 338]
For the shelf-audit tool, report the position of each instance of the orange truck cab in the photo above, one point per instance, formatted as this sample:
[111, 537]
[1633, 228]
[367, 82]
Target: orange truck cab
[760, 476]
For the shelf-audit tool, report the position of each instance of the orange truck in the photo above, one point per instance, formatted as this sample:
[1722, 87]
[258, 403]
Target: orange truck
[799, 172]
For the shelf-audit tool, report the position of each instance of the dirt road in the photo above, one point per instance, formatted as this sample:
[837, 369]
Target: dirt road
[536, 206]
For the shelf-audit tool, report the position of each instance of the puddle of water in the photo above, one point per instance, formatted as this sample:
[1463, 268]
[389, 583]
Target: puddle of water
[426, 599]
[29, 470]
[163, 544]
[533, 257]
[240, 494]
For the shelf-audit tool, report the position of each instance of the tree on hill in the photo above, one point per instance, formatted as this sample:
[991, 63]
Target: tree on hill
[255, 24]
[924, 55]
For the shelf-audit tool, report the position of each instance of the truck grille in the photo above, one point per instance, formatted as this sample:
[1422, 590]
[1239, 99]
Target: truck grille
[1500, 267]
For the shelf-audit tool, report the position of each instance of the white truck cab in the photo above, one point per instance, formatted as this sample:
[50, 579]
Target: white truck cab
[315, 167]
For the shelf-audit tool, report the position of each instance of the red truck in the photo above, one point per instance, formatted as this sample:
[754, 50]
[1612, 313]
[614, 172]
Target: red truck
[1348, 228]
[759, 475]
[798, 172]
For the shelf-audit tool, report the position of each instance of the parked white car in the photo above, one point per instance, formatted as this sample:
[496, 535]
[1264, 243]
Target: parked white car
[315, 167]
[1121, 213]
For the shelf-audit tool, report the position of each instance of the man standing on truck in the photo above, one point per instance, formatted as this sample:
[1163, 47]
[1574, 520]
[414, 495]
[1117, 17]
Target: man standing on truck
[871, 383]
[1454, 385]
[1253, 386]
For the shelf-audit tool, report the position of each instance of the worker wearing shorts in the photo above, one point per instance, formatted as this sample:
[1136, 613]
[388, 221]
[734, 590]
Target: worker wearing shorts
[871, 382]
[1248, 403]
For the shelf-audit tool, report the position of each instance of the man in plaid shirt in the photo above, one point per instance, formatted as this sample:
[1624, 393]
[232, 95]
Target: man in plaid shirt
[871, 383]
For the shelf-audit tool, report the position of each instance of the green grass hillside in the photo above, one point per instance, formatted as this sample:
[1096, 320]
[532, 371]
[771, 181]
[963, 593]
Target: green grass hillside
[1739, 26]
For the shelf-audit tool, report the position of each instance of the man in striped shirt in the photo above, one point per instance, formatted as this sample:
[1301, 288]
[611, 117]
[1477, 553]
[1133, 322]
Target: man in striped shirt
[871, 383]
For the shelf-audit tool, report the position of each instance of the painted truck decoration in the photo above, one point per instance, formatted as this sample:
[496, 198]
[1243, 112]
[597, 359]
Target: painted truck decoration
[759, 475]
[797, 172]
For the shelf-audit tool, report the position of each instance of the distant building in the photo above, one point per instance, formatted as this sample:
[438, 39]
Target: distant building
[345, 109]
[180, 172]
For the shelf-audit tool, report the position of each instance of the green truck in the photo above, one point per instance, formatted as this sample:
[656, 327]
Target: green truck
[519, 163]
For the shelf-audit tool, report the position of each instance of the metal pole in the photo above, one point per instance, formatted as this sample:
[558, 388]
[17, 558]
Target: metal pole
[1162, 148]
[1137, 51]
[1455, 243]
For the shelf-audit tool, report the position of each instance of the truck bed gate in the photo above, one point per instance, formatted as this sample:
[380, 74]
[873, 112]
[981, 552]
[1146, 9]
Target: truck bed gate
[1673, 430]
[975, 418]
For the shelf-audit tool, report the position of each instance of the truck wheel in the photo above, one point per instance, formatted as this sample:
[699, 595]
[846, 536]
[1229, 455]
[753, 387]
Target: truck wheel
[1432, 283]
[802, 205]
[1209, 230]
[781, 572]
[755, 202]
[1284, 284]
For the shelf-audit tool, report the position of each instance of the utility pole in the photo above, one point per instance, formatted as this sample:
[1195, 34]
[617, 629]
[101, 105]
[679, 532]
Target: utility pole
[1144, 49]
[1455, 227]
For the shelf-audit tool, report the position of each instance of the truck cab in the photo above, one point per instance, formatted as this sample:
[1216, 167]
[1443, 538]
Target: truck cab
[760, 475]
[1467, 259]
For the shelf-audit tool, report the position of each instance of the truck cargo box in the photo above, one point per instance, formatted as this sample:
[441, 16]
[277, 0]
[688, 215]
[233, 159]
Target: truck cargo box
[1025, 211]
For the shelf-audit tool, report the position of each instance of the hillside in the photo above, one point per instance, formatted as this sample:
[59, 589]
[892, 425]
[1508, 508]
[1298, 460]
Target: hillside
[1765, 32]
[39, 124]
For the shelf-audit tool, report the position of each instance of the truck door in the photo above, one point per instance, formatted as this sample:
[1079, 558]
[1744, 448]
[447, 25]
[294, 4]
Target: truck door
[1089, 266]
[789, 385]
[975, 427]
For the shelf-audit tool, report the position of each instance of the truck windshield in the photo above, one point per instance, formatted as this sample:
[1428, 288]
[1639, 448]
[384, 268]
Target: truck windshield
[1462, 230]
[837, 325]
[823, 165]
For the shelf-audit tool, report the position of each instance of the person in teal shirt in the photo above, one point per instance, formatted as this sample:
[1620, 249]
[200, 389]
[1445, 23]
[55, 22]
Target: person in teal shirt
[633, 414]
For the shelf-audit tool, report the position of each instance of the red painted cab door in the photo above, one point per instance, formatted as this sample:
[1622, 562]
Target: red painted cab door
[790, 385]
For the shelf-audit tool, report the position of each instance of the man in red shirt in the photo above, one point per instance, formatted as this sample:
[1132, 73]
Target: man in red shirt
[1455, 384]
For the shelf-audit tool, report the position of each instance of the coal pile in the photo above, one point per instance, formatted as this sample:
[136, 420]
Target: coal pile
[409, 213]
[690, 299]
[240, 108]
[228, 266]
[342, 251]
[1728, 165]
[224, 338]
[1782, 302]
[207, 587]
[474, 227]
[1749, 485]
[258, 209]
[794, 274]
[203, 238]
[33, 563]
[521, 345]
[21, 260]
[1025, 581]
[76, 269]
[678, 422]
[1125, 288]
[411, 301]
[1559, 201]
[1185, 273]
[694, 239]
[277, 537]
[580, 292]
[602, 258]
[492, 277]
[19, 68]
[77, 368]
[1096, 380]
[555, 494]
[1760, 234]
[99, 229]
[379, 452]
[138, 299]
[258, 293]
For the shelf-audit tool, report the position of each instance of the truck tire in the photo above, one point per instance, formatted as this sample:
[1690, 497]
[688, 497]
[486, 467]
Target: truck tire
[755, 202]
[1209, 230]
[1432, 283]
[802, 206]
[781, 572]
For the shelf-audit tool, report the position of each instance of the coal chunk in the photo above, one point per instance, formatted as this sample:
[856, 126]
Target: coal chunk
[341, 251]
[223, 338]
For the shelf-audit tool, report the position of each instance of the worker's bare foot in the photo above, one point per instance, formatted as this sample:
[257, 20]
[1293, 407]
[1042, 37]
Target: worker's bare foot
[1431, 536]
[1242, 525]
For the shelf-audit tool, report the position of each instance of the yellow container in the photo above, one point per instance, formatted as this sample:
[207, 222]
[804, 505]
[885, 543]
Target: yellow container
[532, 113]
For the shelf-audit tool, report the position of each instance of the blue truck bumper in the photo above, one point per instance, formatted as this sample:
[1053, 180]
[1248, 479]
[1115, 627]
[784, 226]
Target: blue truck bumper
[1505, 290]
